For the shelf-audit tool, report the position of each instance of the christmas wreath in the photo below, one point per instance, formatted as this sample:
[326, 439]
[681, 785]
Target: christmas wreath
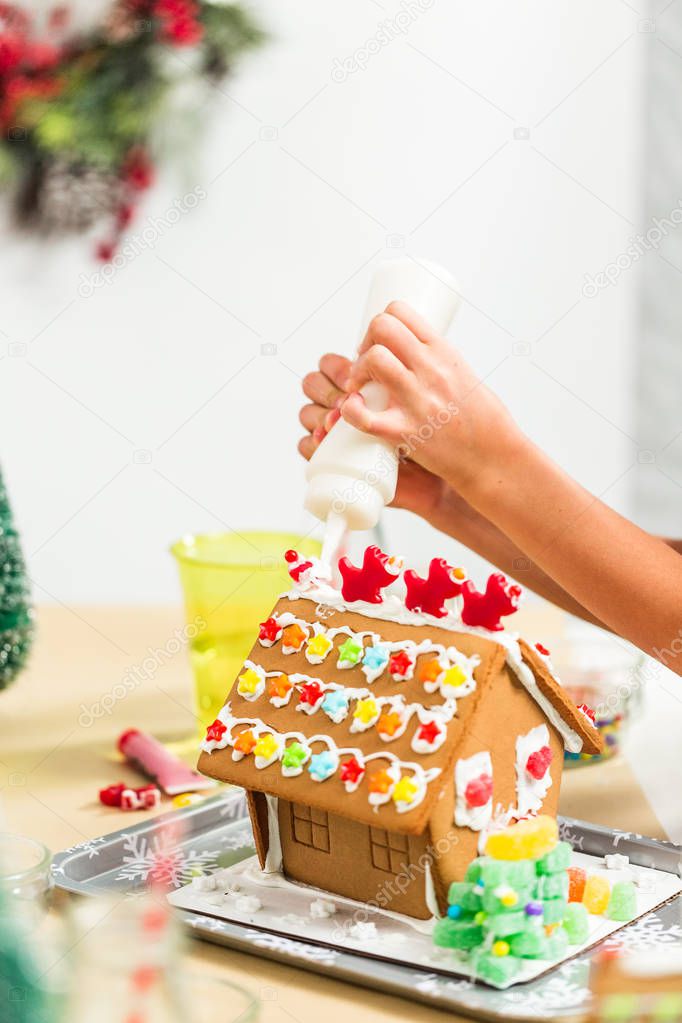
[78, 111]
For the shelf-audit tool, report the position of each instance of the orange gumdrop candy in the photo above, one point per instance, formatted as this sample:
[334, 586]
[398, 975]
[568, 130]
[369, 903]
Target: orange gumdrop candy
[576, 883]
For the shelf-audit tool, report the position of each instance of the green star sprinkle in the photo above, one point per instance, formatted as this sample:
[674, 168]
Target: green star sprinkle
[294, 755]
[350, 651]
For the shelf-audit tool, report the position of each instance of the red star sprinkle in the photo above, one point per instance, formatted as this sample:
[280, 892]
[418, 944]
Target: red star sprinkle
[269, 629]
[399, 663]
[216, 731]
[352, 771]
[310, 693]
[542, 649]
[429, 732]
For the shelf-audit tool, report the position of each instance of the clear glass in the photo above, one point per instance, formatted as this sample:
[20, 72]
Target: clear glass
[24, 868]
[230, 583]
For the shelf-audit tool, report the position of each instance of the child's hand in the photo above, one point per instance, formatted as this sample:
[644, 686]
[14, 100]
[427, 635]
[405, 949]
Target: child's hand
[440, 415]
[418, 490]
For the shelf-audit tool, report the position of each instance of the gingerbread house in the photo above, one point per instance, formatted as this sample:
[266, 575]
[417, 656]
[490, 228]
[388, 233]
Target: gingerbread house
[384, 727]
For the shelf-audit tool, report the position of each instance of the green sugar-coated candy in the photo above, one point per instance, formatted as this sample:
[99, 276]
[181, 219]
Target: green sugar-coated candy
[460, 934]
[515, 873]
[457, 891]
[623, 902]
[553, 910]
[552, 886]
[500, 899]
[668, 1008]
[471, 902]
[497, 970]
[557, 944]
[558, 859]
[576, 923]
[473, 871]
[501, 925]
[532, 944]
[619, 1008]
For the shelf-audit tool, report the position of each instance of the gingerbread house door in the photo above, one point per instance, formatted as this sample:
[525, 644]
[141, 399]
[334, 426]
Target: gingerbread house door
[349, 858]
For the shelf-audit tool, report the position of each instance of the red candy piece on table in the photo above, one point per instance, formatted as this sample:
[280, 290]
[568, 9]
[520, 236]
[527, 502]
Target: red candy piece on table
[429, 595]
[587, 711]
[111, 795]
[399, 663]
[352, 771]
[269, 630]
[298, 566]
[310, 693]
[538, 762]
[485, 609]
[367, 581]
[577, 878]
[479, 790]
[541, 649]
[428, 732]
[216, 731]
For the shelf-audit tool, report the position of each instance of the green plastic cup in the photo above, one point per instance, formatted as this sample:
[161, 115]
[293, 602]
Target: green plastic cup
[231, 582]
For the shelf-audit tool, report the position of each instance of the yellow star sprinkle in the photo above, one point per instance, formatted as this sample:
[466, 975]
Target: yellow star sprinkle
[366, 710]
[248, 682]
[454, 676]
[265, 747]
[405, 790]
[319, 645]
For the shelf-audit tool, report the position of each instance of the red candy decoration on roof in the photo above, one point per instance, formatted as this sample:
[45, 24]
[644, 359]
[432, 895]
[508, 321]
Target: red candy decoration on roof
[310, 693]
[538, 762]
[269, 630]
[216, 731]
[367, 581]
[485, 609]
[299, 568]
[541, 649]
[429, 595]
[428, 732]
[588, 712]
[352, 771]
[479, 791]
[400, 663]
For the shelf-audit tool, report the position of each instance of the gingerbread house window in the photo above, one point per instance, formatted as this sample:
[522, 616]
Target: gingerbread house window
[310, 827]
[389, 851]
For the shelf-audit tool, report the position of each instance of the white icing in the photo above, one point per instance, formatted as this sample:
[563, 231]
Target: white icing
[321, 909]
[418, 775]
[430, 891]
[393, 609]
[530, 791]
[466, 770]
[273, 858]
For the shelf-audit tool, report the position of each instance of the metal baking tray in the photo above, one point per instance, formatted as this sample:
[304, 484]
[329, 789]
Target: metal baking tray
[217, 833]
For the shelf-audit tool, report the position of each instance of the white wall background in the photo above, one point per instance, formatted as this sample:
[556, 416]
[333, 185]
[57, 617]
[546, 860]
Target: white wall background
[500, 140]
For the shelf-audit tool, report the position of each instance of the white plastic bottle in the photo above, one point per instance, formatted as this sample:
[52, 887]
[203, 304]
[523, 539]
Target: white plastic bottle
[352, 476]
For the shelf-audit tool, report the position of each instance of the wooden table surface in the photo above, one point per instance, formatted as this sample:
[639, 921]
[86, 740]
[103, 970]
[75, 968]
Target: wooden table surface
[123, 663]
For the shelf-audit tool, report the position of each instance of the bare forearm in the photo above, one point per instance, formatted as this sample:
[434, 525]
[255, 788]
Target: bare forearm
[623, 576]
[452, 517]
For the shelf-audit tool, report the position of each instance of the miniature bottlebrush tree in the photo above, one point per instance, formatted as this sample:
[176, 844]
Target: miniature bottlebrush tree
[16, 623]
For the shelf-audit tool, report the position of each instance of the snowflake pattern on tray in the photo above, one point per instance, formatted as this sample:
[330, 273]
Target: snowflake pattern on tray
[158, 860]
[644, 935]
[289, 947]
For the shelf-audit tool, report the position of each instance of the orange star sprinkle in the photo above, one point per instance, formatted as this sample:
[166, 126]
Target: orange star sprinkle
[280, 686]
[430, 670]
[388, 724]
[293, 636]
[380, 781]
[245, 742]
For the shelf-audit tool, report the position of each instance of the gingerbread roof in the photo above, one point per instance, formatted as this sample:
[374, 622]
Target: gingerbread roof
[314, 718]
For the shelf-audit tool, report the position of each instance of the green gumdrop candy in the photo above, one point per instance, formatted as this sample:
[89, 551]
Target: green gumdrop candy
[552, 886]
[501, 925]
[492, 901]
[473, 871]
[558, 859]
[460, 934]
[515, 873]
[457, 891]
[623, 902]
[576, 923]
[619, 1008]
[668, 1008]
[471, 902]
[497, 970]
[557, 944]
[553, 910]
[530, 945]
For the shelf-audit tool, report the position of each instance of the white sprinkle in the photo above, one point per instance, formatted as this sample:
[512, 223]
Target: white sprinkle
[320, 910]
[248, 904]
[616, 861]
[363, 930]
[204, 883]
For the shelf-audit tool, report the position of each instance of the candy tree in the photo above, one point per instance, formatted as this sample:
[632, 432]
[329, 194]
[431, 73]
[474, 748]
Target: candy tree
[16, 627]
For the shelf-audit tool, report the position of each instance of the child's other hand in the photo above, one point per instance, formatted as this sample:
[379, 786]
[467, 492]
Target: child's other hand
[418, 490]
[440, 414]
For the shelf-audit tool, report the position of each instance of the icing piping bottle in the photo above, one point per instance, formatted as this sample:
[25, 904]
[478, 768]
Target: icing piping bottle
[352, 476]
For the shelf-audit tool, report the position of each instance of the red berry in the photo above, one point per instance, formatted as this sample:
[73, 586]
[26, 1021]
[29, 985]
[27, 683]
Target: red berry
[542, 649]
[479, 791]
[105, 252]
[538, 762]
